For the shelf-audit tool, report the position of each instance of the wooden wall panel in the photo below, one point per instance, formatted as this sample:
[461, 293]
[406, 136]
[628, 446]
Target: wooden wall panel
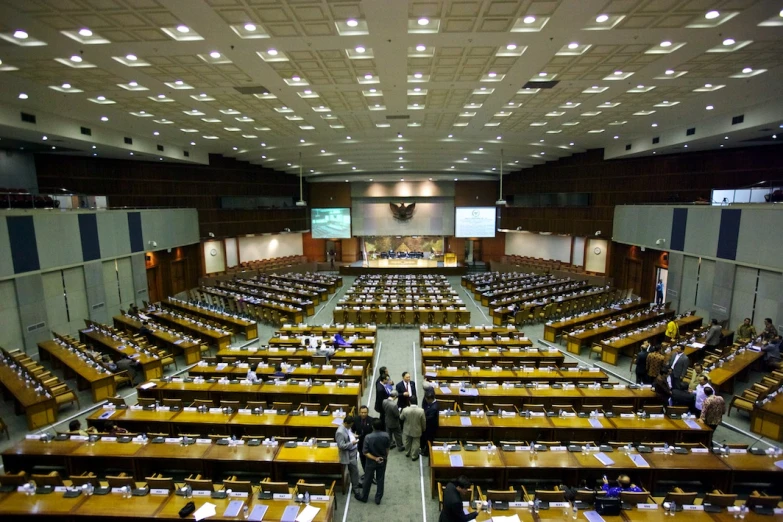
[623, 256]
[330, 195]
[672, 178]
[148, 184]
[475, 193]
[314, 249]
[163, 277]
[493, 248]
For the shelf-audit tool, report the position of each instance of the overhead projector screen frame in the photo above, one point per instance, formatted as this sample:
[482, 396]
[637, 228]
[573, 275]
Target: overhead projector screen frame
[475, 222]
[322, 230]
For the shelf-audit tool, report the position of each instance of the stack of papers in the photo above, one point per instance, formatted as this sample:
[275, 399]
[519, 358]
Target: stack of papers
[205, 511]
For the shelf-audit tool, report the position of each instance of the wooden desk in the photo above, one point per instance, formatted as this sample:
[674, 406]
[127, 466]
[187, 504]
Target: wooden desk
[554, 328]
[150, 364]
[290, 463]
[101, 384]
[463, 331]
[191, 350]
[575, 341]
[537, 375]
[611, 350]
[476, 464]
[288, 312]
[39, 409]
[547, 396]
[249, 328]
[219, 338]
[515, 355]
[768, 419]
[737, 368]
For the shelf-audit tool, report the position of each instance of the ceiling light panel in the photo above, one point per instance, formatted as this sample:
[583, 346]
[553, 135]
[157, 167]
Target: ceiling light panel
[249, 31]
[21, 38]
[418, 25]
[604, 22]
[131, 60]
[85, 37]
[529, 24]
[182, 33]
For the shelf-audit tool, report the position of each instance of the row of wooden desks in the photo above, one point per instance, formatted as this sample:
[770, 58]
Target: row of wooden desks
[402, 315]
[307, 304]
[363, 330]
[767, 419]
[576, 340]
[240, 422]
[320, 372]
[238, 324]
[331, 283]
[101, 383]
[633, 429]
[282, 288]
[188, 391]
[554, 328]
[506, 467]
[542, 375]
[40, 410]
[506, 295]
[463, 331]
[291, 313]
[444, 356]
[738, 367]
[360, 351]
[219, 338]
[140, 460]
[151, 365]
[500, 315]
[148, 508]
[611, 350]
[575, 396]
[190, 350]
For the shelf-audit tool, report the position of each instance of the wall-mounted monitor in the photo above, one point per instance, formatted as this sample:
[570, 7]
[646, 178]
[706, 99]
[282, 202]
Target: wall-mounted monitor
[475, 222]
[330, 223]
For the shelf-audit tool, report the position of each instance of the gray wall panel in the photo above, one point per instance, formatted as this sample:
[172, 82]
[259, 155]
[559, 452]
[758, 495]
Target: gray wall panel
[32, 309]
[113, 234]
[139, 269]
[11, 330]
[704, 293]
[743, 296]
[701, 233]
[674, 282]
[722, 290]
[58, 239]
[96, 292]
[6, 263]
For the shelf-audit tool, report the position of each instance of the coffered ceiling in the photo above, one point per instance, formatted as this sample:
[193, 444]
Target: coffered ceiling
[378, 88]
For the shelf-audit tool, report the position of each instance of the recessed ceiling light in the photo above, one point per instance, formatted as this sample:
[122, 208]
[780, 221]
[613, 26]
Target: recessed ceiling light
[323, 151]
[351, 22]
[669, 71]
[131, 57]
[360, 49]
[85, 32]
[686, 145]
[573, 45]
[76, 58]
[339, 160]
[347, 137]
[161, 96]
[542, 74]
[747, 70]
[101, 98]
[421, 48]
[708, 85]
[616, 137]
[451, 135]
[571, 144]
[192, 142]
[368, 76]
[44, 138]
[400, 157]
[272, 52]
[156, 133]
[133, 84]
[725, 137]
[511, 47]
[423, 21]
[711, 15]
[618, 73]
[654, 125]
[666, 43]
[66, 86]
[301, 140]
[296, 78]
[399, 148]
[20, 35]
[464, 159]
[481, 148]
[601, 18]
[250, 27]
[104, 118]
[529, 19]
[709, 107]
[417, 75]
[183, 29]
[499, 138]
[729, 41]
[492, 74]
[353, 168]
[23, 96]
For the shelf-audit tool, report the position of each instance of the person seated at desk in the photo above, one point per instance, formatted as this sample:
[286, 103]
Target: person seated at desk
[108, 363]
[451, 341]
[769, 330]
[325, 351]
[75, 428]
[771, 352]
[339, 342]
[623, 484]
[252, 376]
[663, 386]
[279, 374]
[126, 364]
[133, 310]
[746, 330]
[112, 429]
[145, 330]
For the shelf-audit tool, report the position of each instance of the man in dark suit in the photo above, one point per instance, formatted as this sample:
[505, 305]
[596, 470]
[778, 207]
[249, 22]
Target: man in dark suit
[452, 502]
[362, 427]
[679, 365]
[641, 363]
[406, 389]
[662, 386]
[381, 394]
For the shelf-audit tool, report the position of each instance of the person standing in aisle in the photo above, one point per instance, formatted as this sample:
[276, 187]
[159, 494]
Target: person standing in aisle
[659, 293]
[376, 451]
[392, 415]
[347, 445]
[431, 416]
[712, 409]
[362, 427]
[414, 424]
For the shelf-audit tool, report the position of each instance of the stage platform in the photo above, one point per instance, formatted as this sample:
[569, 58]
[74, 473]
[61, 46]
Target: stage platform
[402, 266]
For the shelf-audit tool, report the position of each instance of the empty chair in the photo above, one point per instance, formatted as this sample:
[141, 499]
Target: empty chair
[550, 495]
[287, 406]
[619, 409]
[309, 406]
[118, 402]
[472, 406]
[719, 498]
[197, 483]
[52, 479]
[202, 402]
[340, 407]
[314, 489]
[635, 497]
[233, 484]
[145, 401]
[762, 499]
[121, 480]
[268, 486]
[676, 410]
[498, 495]
[14, 479]
[504, 407]
[85, 478]
[538, 408]
[680, 497]
[652, 409]
[229, 404]
[173, 403]
[158, 481]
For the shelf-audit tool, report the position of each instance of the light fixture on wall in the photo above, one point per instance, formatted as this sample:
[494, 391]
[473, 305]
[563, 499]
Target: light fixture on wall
[660, 241]
[152, 243]
[500, 200]
[597, 232]
[211, 234]
[301, 202]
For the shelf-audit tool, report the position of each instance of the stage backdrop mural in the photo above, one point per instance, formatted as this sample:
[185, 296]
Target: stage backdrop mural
[431, 246]
[430, 217]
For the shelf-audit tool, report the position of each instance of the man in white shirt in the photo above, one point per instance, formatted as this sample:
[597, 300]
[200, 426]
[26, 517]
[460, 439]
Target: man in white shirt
[699, 392]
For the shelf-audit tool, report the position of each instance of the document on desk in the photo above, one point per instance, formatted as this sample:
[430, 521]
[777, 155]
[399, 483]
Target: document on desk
[445, 389]
[512, 518]
[779, 464]
[692, 424]
[596, 423]
[639, 461]
[456, 461]
[465, 421]
[233, 509]
[205, 511]
[604, 458]
[338, 421]
[290, 513]
[308, 514]
[593, 516]
[179, 341]
[257, 515]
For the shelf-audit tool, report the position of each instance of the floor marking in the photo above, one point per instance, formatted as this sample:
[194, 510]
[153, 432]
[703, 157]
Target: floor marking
[480, 309]
[347, 502]
[421, 466]
[325, 305]
[372, 380]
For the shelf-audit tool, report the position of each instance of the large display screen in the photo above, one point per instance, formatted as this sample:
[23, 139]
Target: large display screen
[475, 222]
[330, 223]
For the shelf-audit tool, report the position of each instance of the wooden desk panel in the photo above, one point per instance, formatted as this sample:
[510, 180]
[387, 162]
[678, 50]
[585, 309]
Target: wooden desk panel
[151, 365]
[249, 328]
[191, 350]
[102, 385]
[554, 328]
[39, 410]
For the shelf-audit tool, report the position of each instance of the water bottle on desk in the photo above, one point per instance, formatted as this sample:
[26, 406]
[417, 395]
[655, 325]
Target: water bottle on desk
[307, 498]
